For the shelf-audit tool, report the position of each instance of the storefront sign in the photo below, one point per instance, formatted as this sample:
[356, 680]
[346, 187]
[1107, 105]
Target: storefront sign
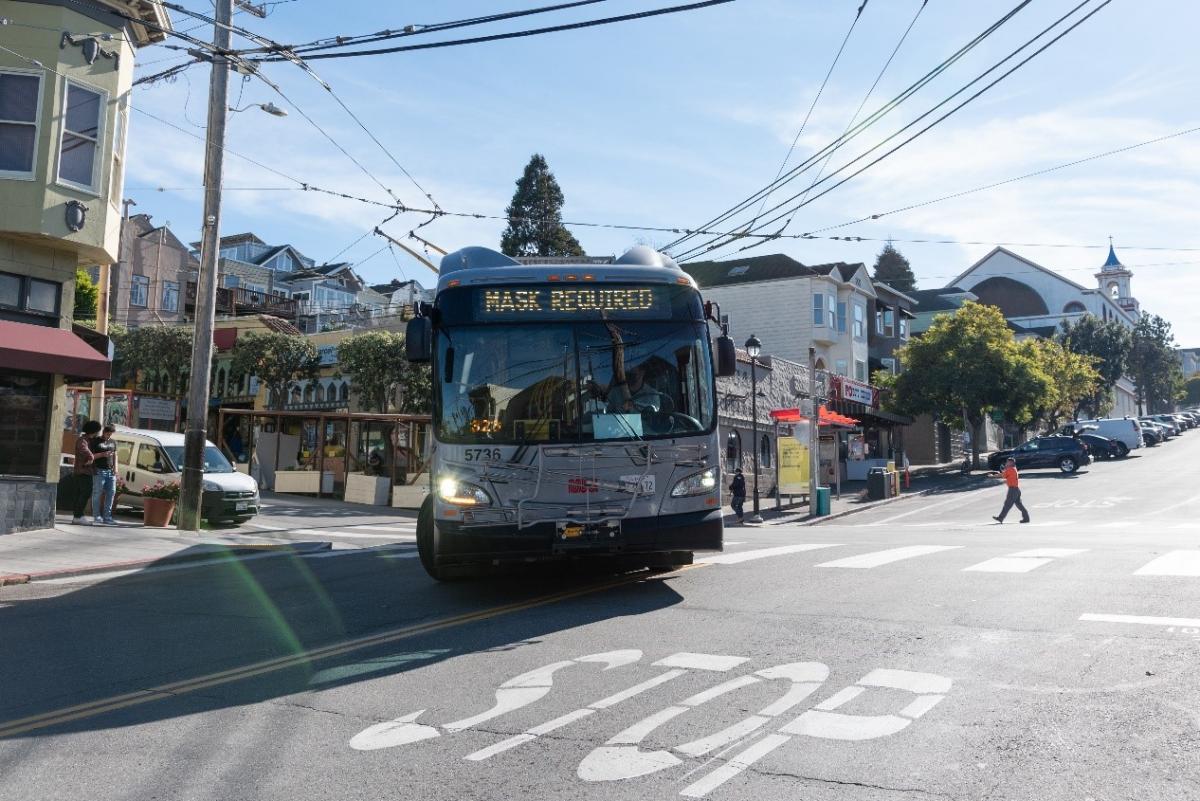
[859, 393]
[793, 467]
[156, 409]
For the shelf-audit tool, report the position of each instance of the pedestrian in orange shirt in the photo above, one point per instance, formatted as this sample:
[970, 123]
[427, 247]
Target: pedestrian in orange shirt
[1013, 498]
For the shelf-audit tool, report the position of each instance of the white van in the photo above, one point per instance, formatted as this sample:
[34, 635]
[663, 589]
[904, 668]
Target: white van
[145, 457]
[1124, 430]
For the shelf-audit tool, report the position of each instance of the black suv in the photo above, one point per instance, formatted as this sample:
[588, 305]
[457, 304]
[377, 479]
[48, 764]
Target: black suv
[1068, 454]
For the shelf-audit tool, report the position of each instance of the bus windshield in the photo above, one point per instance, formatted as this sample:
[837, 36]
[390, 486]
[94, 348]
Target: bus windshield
[573, 381]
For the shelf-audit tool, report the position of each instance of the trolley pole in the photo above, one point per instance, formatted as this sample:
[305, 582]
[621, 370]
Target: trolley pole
[195, 434]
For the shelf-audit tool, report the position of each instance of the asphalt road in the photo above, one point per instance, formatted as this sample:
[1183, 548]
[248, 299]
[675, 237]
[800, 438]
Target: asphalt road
[918, 649]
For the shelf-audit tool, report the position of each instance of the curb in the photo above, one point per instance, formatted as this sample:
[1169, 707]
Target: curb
[301, 548]
[884, 502]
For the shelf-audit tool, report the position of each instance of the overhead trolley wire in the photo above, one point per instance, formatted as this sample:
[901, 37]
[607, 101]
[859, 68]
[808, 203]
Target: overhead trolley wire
[694, 251]
[858, 129]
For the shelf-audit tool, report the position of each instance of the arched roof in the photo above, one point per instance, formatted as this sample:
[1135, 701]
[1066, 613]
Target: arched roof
[1013, 298]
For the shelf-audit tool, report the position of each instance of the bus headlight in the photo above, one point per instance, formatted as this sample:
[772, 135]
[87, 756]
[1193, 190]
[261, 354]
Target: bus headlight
[461, 493]
[700, 483]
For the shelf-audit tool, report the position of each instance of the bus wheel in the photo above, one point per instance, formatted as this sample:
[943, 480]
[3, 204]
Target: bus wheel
[425, 541]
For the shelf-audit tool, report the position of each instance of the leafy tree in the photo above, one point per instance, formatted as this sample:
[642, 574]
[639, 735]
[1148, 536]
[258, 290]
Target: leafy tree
[87, 295]
[535, 216]
[158, 351]
[1109, 343]
[379, 372]
[893, 269]
[1154, 364]
[276, 360]
[1191, 391]
[1071, 377]
[967, 364]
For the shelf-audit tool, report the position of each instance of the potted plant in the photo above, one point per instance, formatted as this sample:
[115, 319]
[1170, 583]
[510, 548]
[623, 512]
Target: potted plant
[158, 502]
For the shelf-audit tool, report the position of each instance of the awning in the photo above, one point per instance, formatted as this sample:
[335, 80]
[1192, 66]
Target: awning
[824, 416]
[41, 349]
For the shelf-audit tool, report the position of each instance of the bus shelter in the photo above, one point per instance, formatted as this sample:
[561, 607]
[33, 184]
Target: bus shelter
[359, 457]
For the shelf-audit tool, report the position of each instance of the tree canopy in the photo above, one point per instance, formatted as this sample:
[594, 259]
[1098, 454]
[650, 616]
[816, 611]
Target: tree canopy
[968, 364]
[276, 360]
[1154, 365]
[154, 351]
[380, 373]
[1191, 391]
[893, 269]
[87, 295]
[1109, 343]
[1072, 378]
[535, 216]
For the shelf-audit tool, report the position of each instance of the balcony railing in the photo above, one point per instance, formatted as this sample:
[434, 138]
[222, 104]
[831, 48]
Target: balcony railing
[239, 300]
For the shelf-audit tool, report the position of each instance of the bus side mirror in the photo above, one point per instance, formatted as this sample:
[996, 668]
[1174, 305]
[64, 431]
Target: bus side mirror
[418, 340]
[726, 357]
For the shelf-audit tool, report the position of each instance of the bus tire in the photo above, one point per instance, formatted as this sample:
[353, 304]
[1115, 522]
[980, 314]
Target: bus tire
[426, 545]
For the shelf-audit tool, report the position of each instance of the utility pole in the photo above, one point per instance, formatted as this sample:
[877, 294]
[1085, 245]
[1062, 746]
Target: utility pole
[814, 436]
[195, 435]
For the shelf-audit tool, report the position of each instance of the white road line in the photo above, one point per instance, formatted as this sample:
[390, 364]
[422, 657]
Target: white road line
[324, 533]
[762, 553]
[262, 527]
[877, 558]
[1175, 563]
[922, 510]
[1142, 620]
[1165, 509]
[409, 529]
[688, 661]
[1023, 562]
[735, 766]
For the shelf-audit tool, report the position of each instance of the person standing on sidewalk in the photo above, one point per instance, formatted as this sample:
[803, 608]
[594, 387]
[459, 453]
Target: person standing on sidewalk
[1013, 498]
[82, 475]
[104, 479]
[737, 489]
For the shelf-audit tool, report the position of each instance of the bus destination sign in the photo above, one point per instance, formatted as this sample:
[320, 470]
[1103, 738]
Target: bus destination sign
[567, 302]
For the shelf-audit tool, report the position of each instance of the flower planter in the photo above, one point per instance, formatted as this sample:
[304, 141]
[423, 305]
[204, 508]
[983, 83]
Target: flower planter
[156, 512]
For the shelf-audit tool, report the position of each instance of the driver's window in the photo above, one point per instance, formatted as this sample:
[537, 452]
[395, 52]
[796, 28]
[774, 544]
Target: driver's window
[150, 459]
[1029, 446]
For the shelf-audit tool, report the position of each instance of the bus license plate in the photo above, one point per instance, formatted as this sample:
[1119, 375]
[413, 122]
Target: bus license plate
[241, 506]
[578, 532]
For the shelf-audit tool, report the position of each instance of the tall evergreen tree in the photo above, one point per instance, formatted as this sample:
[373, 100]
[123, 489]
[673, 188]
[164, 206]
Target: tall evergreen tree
[893, 269]
[1109, 343]
[1154, 363]
[535, 216]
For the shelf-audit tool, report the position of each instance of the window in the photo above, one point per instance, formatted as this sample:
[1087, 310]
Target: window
[841, 367]
[1114, 290]
[860, 371]
[733, 451]
[29, 300]
[139, 291]
[24, 422]
[345, 391]
[170, 296]
[20, 107]
[889, 365]
[860, 321]
[150, 459]
[830, 311]
[903, 327]
[889, 322]
[117, 179]
[764, 451]
[818, 309]
[841, 318]
[82, 116]
[1074, 307]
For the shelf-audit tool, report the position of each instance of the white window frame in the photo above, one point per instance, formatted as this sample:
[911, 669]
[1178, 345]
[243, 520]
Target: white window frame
[134, 282]
[101, 130]
[831, 312]
[841, 367]
[902, 323]
[818, 309]
[843, 312]
[169, 285]
[116, 177]
[889, 365]
[889, 330]
[18, 175]
[860, 374]
[860, 321]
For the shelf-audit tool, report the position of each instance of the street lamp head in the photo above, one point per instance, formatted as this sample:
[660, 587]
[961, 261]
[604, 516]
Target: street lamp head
[753, 347]
[273, 110]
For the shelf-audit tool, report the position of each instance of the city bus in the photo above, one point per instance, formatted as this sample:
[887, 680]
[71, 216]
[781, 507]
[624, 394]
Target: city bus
[574, 410]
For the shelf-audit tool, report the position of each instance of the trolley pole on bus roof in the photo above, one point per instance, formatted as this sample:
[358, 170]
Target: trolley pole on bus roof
[195, 435]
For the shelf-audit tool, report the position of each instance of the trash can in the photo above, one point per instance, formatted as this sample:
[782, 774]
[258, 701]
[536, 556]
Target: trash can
[822, 501]
[877, 488]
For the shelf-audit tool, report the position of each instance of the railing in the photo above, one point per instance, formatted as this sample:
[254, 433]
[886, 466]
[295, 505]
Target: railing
[239, 300]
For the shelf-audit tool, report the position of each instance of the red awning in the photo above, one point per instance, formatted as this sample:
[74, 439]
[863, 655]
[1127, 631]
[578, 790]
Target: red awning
[825, 416]
[41, 349]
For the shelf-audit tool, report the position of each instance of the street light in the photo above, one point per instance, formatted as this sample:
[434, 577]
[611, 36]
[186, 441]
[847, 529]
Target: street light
[270, 108]
[753, 348]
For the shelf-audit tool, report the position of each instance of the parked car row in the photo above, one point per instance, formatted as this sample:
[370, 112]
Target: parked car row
[1079, 442]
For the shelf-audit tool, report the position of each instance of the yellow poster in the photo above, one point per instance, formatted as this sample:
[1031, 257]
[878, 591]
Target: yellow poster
[793, 467]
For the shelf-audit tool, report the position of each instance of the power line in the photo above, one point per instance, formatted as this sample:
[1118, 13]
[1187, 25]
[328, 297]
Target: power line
[820, 90]
[515, 34]
[858, 129]
[697, 250]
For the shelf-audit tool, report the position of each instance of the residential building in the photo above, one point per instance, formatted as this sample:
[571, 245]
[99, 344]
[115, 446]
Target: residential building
[66, 67]
[1189, 362]
[149, 283]
[894, 314]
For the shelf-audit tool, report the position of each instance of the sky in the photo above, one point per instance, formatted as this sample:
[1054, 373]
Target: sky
[669, 121]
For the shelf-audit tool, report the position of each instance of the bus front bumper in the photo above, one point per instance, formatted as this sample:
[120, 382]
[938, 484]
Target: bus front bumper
[691, 531]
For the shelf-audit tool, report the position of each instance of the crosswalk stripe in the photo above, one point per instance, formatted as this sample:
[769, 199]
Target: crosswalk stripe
[410, 529]
[325, 533]
[1024, 561]
[877, 558]
[761, 553]
[1174, 563]
[1143, 620]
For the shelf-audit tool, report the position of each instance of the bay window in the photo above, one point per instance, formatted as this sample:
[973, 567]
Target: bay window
[83, 111]
[20, 104]
[818, 309]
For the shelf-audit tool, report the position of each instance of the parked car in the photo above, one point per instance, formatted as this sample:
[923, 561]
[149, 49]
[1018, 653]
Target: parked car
[1168, 421]
[1123, 429]
[1183, 420]
[1068, 454]
[1151, 433]
[145, 457]
[1104, 448]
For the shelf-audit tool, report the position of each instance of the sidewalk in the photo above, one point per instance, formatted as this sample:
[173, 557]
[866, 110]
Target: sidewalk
[925, 481]
[69, 550]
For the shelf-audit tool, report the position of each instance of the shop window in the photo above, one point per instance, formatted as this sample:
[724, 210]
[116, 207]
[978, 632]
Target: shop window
[764, 451]
[24, 419]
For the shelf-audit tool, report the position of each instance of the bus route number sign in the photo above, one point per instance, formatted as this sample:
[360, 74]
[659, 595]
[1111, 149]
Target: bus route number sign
[566, 302]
